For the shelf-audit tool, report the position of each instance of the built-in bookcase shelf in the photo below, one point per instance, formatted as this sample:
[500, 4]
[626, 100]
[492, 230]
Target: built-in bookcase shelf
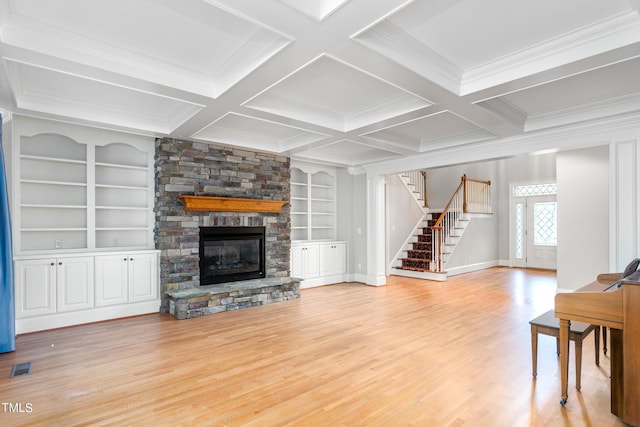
[122, 196]
[80, 189]
[313, 203]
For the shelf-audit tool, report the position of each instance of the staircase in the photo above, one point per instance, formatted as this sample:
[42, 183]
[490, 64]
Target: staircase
[434, 239]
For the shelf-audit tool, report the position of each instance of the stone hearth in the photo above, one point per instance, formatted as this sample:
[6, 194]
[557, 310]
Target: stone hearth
[211, 299]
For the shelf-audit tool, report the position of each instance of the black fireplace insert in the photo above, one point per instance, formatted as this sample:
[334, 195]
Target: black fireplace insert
[230, 254]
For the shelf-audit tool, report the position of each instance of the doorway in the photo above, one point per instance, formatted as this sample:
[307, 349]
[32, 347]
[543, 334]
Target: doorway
[534, 236]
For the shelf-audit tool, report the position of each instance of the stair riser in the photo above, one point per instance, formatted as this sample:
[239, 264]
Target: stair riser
[415, 267]
[419, 254]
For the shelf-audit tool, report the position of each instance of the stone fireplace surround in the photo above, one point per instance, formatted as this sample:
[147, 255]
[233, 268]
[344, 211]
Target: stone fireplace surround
[184, 167]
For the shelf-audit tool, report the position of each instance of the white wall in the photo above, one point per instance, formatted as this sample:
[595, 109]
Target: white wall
[351, 226]
[526, 169]
[403, 213]
[625, 202]
[583, 216]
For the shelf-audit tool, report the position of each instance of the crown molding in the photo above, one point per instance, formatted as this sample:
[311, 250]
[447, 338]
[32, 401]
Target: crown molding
[575, 136]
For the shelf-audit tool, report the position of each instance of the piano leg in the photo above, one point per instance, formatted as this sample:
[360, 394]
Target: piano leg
[564, 359]
[617, 372]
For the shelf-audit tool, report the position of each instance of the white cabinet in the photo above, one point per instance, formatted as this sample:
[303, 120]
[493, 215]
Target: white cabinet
[111, 279]
[319, 263]
[124, 278]
[143, 277]
[305, 261]
[333, 258]
[53, 292]
[35, 286]
[74, 283]
[53, 285]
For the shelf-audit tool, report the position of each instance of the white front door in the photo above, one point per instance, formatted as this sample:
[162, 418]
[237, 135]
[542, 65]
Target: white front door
[533, 233]
[541, 232]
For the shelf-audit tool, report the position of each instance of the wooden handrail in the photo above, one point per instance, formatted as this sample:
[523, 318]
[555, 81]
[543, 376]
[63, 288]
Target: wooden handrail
[446, 208]
[464, 177]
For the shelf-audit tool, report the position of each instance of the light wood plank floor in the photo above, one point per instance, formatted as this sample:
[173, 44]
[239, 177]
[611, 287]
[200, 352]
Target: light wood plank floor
[412, 353]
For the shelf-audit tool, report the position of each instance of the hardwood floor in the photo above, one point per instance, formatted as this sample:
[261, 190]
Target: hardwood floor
[412, 353]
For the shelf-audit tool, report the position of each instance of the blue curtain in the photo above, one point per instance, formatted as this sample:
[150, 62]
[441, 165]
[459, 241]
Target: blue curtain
[7, 307]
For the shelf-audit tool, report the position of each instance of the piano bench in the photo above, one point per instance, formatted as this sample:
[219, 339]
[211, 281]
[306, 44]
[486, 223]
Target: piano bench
[549, 324]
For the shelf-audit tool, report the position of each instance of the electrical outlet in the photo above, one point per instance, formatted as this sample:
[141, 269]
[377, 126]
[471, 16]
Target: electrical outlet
[58, 244]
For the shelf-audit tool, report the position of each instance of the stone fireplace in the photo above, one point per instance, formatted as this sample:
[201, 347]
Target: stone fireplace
[188, 168]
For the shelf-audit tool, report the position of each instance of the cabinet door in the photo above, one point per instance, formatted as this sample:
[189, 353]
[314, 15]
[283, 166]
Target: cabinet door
[35, 285]
[305, 262]
[143, 277]
[332, 259]
[296, 261]
[111, 279]
[74, 283]
[312, 260]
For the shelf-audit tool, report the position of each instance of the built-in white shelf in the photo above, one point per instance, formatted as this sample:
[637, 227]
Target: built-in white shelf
[313, 203]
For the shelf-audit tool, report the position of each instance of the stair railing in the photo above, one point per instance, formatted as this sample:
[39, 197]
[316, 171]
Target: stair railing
[477, 195]
[471, 196]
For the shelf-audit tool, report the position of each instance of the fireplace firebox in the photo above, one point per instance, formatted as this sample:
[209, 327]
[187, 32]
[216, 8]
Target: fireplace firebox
[230, 254]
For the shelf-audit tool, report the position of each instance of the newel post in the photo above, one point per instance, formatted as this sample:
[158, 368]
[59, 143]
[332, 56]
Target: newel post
[464, 193]
[424, 188]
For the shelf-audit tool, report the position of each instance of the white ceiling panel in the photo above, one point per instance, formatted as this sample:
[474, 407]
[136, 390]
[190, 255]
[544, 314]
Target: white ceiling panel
[346, 82]
[347, 153]
[468, 45]
[190, 45]
[432, 132]
[609, 90]
[330, 93]
[65, 95]
[240, 130]
[583, 89]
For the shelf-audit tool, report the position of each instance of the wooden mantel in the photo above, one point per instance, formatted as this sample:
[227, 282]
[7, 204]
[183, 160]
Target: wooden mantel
[229, 204]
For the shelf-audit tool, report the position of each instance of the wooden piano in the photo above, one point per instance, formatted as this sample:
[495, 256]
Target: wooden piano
[614, 303]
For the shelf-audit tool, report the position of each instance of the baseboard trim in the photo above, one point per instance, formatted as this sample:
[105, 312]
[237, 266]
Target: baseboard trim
[453, 271]
[72, 318]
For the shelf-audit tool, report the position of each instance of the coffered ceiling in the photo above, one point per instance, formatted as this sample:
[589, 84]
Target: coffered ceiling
[344, 82]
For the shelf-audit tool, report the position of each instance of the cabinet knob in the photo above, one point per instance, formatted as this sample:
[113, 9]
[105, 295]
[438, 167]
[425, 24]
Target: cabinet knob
[124, 259]
[59, 262]
[53, 263]
[130, 259]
